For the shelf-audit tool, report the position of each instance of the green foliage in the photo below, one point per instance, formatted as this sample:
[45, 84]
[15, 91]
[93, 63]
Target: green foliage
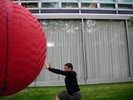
[130, 22]
[119, 91]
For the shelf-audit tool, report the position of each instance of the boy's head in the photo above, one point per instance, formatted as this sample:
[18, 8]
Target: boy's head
[68, 67]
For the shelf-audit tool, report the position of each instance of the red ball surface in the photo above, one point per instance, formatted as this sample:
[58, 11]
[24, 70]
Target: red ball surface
[22, 48]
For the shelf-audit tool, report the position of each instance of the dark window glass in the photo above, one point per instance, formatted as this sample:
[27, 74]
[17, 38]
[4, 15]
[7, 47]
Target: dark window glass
[69, 5]
[125, 6]
[89, 5]
[108, 6]
[30, 5]
[50, 5]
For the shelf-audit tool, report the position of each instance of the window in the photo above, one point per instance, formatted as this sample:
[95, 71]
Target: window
[125, 0]
[89, 0]
[109, 6]
[69, 5]
[125, 6]
[50, 5]
[69, 0]
[27, 0]
[89, 5]
[30, 5]
[101, 0]
[107, 0]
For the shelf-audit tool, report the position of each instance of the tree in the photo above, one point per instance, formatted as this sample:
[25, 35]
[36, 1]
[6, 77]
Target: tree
[130, 22]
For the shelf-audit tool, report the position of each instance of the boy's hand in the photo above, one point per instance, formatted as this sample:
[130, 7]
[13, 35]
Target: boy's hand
[47, 66]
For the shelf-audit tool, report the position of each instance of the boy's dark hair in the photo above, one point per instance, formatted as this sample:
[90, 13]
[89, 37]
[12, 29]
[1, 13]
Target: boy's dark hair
[69, 65]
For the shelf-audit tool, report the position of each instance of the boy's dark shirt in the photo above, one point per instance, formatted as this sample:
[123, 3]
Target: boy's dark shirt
[70, 80]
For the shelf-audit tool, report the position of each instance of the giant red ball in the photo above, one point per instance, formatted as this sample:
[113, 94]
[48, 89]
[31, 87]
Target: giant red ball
[22, 48]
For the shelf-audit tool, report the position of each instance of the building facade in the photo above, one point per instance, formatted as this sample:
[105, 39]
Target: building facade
[94, 35]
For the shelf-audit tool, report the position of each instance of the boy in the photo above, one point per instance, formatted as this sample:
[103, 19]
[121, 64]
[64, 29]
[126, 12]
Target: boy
[72, 88]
